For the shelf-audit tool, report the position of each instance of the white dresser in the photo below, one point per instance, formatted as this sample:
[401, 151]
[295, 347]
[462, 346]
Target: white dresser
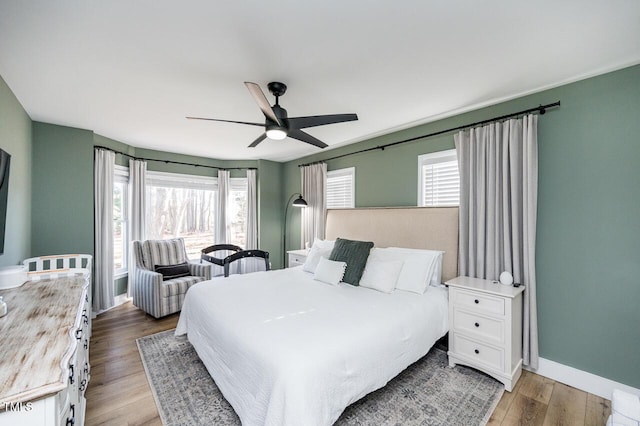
[296, 257]
[45, 352]
[485, 327]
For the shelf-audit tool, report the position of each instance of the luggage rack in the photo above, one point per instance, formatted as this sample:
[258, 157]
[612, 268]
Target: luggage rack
[238, 253]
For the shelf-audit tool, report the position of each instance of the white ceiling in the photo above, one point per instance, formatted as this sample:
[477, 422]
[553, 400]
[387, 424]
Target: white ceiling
[132, 70]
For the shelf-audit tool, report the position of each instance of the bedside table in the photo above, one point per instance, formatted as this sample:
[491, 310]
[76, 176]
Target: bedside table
[485, 327]
[296, 257]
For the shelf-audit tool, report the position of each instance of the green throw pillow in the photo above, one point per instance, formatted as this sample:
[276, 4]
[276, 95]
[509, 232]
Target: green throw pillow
[354, 254]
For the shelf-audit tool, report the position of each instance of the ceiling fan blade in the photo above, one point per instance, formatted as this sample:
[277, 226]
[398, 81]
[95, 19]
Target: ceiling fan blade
[262, 101]
[226, 121]
[258, 140]
[319, 120]
[306, 137]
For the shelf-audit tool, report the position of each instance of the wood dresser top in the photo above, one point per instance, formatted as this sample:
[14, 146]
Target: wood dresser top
[36, 339]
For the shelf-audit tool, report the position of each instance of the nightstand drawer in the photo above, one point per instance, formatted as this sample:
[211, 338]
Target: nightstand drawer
[478, 352]
[296, 259]
[481, 327]
[477, 302]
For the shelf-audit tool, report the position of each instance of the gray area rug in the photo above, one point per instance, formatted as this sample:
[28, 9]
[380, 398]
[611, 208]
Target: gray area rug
[426, 393]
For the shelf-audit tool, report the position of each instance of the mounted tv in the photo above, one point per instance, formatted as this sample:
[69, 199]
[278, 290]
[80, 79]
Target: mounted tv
[5, 160]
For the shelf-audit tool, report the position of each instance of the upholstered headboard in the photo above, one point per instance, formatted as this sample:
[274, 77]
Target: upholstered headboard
[434, 228]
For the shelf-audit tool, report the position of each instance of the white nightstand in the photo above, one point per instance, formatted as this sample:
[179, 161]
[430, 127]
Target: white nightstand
[485, 327]
[296, 257]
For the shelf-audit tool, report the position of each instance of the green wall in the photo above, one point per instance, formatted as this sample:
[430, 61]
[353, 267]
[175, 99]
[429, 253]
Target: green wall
[62, 197]
[15, 138]
[186, 169]
[270, 210]
[588, 232]
[588, 236]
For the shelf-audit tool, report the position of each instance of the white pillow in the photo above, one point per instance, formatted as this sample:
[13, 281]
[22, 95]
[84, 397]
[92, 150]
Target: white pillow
[324, 244]
[413, 276]
[378, 254]
[420, 267]
[329, 271]
[436, 278]
[381, 275]
[314, 256]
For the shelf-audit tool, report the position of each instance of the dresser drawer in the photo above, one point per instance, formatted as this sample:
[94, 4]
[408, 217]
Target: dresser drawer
[478, 352]
[481, 327]
[477, 302]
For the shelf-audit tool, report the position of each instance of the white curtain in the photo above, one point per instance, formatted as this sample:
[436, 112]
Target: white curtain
[252, 210]
[222, 221]
[103, 295]
[314, 178]
[137, 210]
[251, 264]
[498, 204]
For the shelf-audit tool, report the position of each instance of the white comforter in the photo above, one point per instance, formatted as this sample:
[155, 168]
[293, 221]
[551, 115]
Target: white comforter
[287, 350]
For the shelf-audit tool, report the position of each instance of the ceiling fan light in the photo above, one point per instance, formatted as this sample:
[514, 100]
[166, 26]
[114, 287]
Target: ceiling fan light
[276, 134]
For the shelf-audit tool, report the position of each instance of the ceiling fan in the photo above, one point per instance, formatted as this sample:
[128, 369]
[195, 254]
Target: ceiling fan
[277, 124]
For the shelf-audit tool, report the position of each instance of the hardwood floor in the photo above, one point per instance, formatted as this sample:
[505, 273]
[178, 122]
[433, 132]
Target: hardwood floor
[119, 393]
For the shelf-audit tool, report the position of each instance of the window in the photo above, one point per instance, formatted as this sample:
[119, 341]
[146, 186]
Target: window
[185, 206]
[237, 212]
[341, 188]
[439, 181]
[181, 206]
[120, 223]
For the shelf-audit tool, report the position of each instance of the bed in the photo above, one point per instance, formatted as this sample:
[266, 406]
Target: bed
[286, 349]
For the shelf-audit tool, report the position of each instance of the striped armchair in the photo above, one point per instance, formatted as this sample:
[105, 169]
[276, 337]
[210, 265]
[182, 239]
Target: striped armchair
[153, 294]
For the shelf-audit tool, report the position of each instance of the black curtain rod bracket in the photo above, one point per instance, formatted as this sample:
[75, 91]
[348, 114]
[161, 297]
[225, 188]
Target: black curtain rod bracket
[170, 161]
[541, 109]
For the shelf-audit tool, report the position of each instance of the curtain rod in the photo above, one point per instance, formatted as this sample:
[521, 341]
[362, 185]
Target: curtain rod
[171, 161]
[541, 109]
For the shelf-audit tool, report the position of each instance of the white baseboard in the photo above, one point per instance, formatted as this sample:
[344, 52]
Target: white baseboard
[120, 299]
[117, 301]
[580, 379]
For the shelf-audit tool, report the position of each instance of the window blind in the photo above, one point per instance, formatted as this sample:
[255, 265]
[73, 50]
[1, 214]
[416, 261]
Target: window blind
[340, 188]
[439, 179]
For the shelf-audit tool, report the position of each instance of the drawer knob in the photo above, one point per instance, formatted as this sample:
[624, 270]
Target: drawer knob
[477, 324]
[477, 301]
[476, 351]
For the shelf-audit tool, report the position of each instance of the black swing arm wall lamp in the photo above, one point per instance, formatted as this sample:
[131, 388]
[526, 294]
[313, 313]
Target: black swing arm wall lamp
[298, 202]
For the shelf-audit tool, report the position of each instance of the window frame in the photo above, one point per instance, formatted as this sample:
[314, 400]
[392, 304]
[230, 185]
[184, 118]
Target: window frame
[347, 171]
[187, 181]
[437, 157]
[181, 181]
[171, 180]
[121, 176]
[239, 185]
